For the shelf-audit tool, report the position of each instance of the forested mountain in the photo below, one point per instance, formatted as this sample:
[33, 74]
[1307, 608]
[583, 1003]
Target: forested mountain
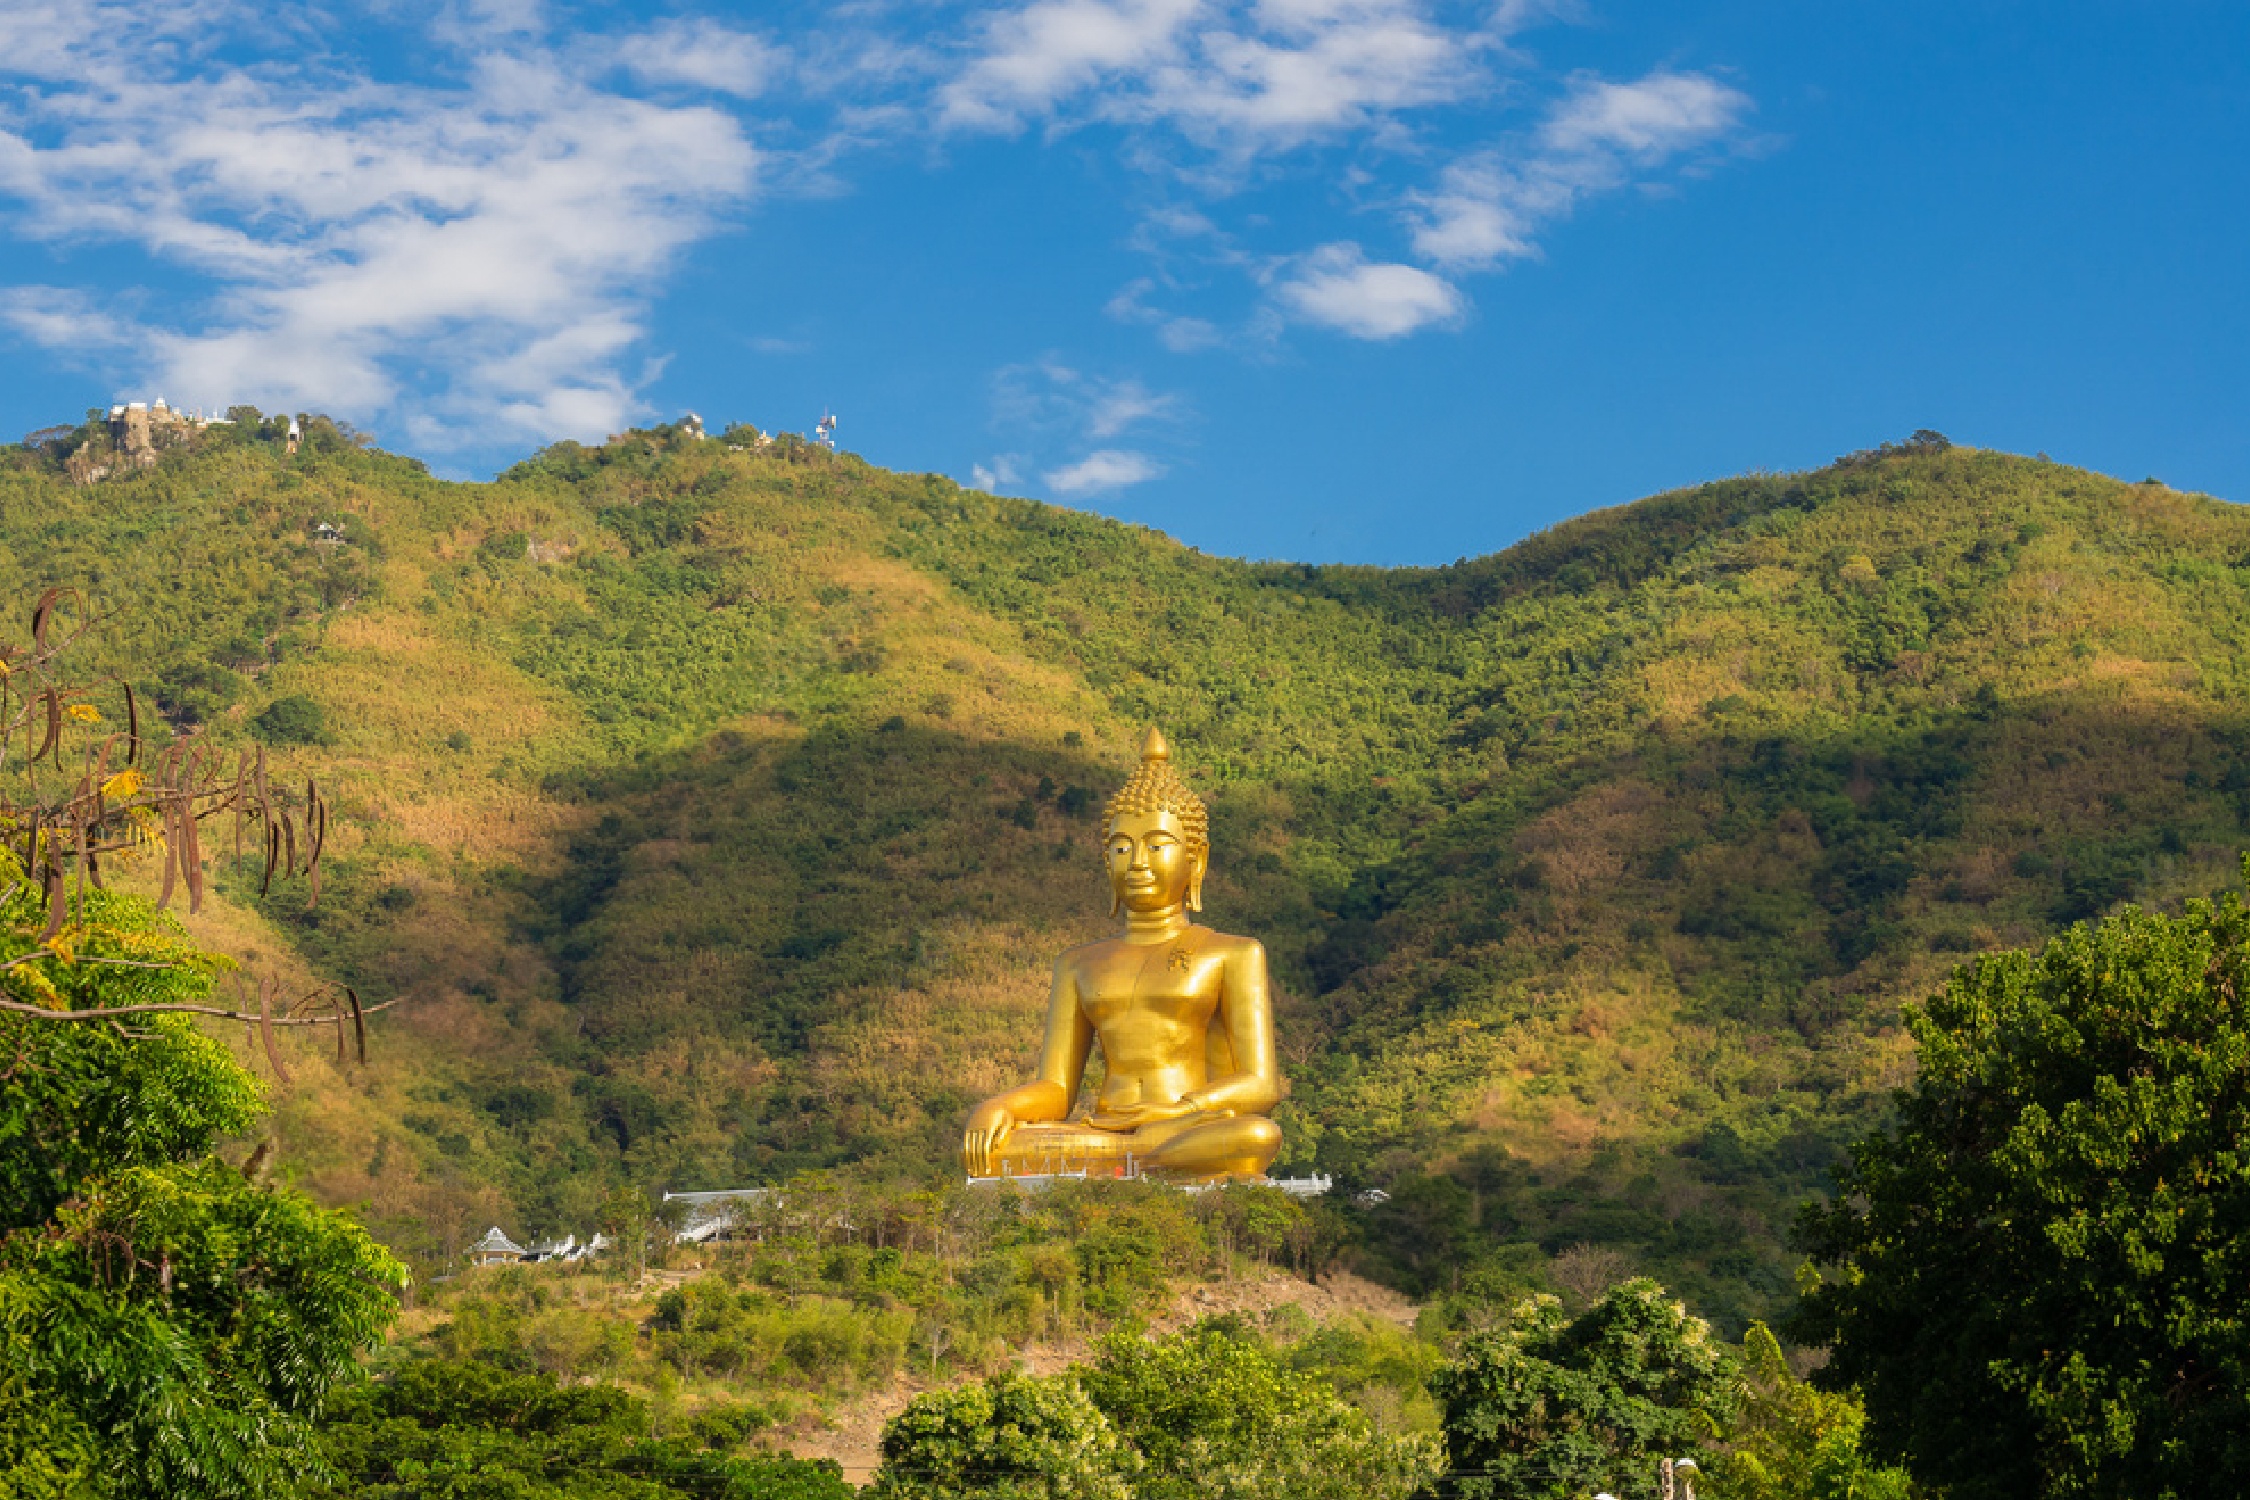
[720, 807]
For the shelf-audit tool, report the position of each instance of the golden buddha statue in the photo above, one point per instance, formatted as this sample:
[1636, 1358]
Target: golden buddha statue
[1184, 1016]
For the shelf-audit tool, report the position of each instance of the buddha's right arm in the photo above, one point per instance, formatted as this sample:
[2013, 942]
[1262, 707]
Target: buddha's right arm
[1062, 1060]
[1029, 1103]
[1070, 1037]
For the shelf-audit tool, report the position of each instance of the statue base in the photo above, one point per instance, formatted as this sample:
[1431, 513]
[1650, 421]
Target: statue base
[1315, 1186]
[1040, 1174]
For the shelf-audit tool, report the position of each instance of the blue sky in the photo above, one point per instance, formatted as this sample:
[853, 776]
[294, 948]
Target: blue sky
[1371, 280]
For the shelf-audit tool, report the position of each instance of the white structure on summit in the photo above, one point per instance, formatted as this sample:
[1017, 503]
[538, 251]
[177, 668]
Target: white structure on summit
[138, 432]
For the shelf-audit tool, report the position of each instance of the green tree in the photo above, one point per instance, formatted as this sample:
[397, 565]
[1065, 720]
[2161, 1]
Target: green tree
[292, 720]
[626, 1219]
[1792, 1441]
[1547, 1406]
[1014, 1437]
[1213, 1412]
[167, 1326]
[470, 1431]
[2040, 1265]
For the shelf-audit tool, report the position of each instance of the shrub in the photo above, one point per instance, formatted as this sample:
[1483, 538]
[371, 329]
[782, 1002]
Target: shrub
[1546, 1406]
[292, 720]
[1011, 1436]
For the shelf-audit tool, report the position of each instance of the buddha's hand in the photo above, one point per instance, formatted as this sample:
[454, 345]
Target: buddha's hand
[1151, 1112]
[990, 1125]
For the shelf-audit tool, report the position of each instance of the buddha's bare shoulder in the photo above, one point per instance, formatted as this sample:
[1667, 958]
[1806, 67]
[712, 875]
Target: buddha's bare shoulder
[1231, 946]
[1086, 953]
[1212, 941]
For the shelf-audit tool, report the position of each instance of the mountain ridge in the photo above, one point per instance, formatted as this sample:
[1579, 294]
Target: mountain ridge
[720, 810]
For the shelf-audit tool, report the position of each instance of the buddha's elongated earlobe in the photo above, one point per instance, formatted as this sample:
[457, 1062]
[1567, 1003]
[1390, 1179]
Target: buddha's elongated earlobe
[1195, 881]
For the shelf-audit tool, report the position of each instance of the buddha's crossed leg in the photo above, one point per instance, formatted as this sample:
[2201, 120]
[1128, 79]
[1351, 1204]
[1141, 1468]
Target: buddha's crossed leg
[1200, 1145]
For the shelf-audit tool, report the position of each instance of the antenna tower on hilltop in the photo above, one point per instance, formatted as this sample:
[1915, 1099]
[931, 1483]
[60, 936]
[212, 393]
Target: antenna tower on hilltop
[825, 433]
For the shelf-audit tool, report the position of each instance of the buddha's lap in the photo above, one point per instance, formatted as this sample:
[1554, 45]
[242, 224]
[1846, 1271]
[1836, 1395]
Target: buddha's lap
[1235, 1134]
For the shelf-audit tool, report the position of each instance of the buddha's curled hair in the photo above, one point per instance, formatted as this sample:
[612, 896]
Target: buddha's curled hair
[1156, 787]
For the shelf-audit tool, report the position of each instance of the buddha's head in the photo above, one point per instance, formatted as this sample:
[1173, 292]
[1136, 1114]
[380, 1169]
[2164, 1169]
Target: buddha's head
[1159, 837]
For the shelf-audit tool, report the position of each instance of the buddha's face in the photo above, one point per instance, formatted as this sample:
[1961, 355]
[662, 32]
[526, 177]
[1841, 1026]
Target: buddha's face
[1152, 868]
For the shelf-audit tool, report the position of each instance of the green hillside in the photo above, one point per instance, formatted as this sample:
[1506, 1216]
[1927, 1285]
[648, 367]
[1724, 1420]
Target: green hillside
[721, 809]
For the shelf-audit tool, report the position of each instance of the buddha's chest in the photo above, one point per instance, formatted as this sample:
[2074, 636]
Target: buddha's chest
[1171, 985]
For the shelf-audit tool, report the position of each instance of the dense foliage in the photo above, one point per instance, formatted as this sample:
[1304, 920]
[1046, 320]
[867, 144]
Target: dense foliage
[1790, 1440]
[168, 1326]
[1013, 1437]
[1217, 1411]
[1212, 1411]
[474, 1432]
[2040, 1266]
[1552, 1407]
[721, 809]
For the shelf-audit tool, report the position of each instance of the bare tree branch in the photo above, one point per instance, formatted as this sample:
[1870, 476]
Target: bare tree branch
[69, 821]
[181, 1008]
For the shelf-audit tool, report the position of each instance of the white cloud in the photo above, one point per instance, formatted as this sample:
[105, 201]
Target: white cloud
[1125, 403]
[469, 261]
[1481, 213]
[472, 260]
[1321, 65]
[1239, 79]
[1489, 206]
[1005, 469]
[1650, 119]
[701, 54]
[1036, 55]
[1101, 471]
[64, 317]
[1187, 335]
[1049, 397]
[1338, 287]
[1177, 332]
[1052, 409]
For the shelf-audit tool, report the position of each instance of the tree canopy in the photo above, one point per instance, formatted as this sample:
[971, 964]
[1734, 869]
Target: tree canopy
[168, 1326]
[1207, 1412]
[2039, 1269]
[471, 1431]
[1555, 1407]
